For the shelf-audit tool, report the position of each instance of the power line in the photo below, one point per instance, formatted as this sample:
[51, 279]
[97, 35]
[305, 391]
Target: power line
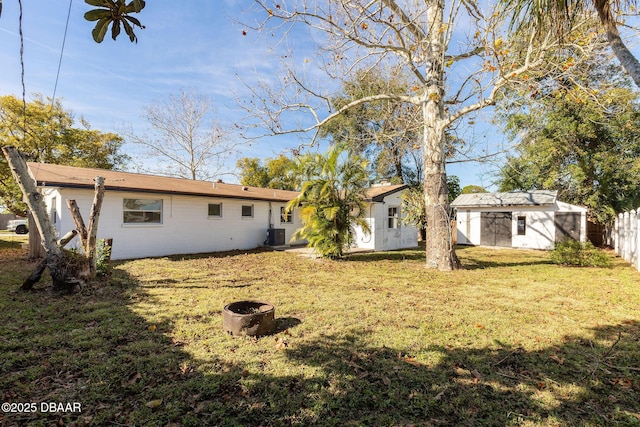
[64, 39]
[24, 88]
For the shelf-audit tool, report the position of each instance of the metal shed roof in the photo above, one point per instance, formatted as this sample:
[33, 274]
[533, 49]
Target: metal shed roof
[520, 198]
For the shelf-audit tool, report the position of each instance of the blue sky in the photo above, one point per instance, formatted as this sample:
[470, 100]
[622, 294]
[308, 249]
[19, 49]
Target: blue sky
[185, 45]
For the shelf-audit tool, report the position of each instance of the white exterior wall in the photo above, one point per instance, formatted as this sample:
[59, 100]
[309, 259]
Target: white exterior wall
[186, 227]
[540, 230]
[383, 238]
[368, 241]
[540, 224]
[468, 227]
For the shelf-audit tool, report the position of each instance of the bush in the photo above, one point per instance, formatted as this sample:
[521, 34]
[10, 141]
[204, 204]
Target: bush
[103, 259]
[578, 254]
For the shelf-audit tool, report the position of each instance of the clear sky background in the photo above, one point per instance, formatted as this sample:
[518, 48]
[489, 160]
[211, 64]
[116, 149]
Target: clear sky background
[187, 44]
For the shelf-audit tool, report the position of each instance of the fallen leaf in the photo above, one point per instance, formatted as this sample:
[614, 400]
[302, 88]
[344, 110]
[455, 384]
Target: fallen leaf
[477, 375]
[558, 360]
[386, 381]
[439, 395]
[153, 404]
[133, 378]
[412, 361]
[479, 326]
[152, 328]
[281, 344]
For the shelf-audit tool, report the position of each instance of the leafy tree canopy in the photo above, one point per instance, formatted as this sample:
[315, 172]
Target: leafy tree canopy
[45, 132]
[385, 131]
[579, 136]
[279, 173]
[472, 189]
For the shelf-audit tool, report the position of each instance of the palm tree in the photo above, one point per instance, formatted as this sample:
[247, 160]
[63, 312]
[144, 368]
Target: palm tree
[560, 14]
[332, 200]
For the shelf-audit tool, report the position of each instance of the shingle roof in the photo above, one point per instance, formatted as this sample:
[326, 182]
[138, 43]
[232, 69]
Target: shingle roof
[377, 193]
[521, 198]
[74, 177]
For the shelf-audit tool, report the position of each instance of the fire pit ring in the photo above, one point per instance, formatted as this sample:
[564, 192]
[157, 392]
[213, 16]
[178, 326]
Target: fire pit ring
[252, 318]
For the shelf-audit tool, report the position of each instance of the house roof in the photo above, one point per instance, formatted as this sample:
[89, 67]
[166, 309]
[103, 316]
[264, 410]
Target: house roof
[75, 177]
[377, 193]
[521, 198]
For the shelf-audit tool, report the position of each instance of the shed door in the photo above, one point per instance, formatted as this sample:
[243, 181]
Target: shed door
[495, 229]
[567, 226]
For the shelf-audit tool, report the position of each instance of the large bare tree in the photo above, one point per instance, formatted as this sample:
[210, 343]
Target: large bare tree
[455, 52]
[186, 141]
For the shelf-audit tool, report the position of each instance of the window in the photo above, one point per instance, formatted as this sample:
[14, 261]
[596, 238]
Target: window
[247, 211]
[215, 209]
[147, 211]
[393, 217]
[54, 213]
[522, 225]
[285, 217]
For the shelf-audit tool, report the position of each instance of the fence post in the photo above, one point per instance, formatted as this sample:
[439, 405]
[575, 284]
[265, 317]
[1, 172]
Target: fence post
[616, 234]
[636, 225]
[633, 238]
[625, 246]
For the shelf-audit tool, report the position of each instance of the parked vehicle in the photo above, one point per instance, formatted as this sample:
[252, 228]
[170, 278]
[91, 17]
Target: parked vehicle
[18, 225]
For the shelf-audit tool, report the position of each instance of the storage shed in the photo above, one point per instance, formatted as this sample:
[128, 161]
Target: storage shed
[528, 219]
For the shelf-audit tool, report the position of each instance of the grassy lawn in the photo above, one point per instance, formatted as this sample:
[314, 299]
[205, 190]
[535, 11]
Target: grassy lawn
[375, 340]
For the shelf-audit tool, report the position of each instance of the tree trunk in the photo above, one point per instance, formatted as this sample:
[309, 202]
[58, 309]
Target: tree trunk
[622, 52]
[42, 265]
[92, 232]
[440, 252]
[38, 209]
[77, 219]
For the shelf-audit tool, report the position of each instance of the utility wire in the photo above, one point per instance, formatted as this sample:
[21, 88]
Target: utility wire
[64, 39]
[24, 89]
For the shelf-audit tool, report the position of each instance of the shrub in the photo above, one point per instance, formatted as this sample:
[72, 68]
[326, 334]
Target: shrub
[103, 258]
[577, 254]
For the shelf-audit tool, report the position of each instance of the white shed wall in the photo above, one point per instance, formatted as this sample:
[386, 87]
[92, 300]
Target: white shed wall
[540, 224]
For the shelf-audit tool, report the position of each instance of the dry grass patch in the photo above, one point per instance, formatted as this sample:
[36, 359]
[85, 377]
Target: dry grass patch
[372, 340]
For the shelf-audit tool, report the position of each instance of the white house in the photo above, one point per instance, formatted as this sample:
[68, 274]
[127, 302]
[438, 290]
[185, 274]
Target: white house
[384, 206]
[533, 219]
[150, 216]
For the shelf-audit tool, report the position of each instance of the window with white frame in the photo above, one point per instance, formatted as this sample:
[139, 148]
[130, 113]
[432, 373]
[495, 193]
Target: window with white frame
[54, 211]
[393, 217]
[522, 225]
[142, 211]
[285, 217]
[247, 211]
[215, 210]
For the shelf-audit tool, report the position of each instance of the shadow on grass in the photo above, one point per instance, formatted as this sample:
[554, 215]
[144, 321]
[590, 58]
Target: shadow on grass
[94, 349]
[474, 258]
[416, 254]
[580, 382]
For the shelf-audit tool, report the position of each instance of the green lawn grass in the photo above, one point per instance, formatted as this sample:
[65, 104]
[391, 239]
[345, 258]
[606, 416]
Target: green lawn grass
[374, 340]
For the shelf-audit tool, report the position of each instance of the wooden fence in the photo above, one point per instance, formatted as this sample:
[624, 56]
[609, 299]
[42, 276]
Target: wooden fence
[627, 237]
[4, 219]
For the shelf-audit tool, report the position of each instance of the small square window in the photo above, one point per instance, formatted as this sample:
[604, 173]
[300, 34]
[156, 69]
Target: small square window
[522, 225]
[247, 211]
[215, 209]
[285, 217]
